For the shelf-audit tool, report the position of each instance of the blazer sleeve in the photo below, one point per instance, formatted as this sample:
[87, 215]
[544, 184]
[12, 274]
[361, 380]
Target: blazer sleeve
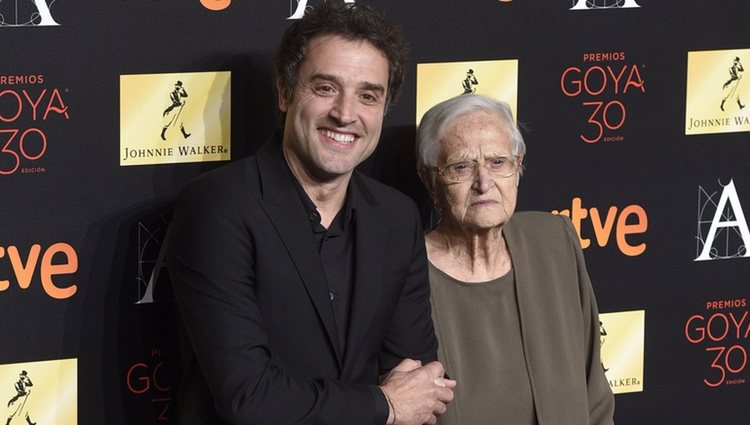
[600, 398]
[210, 260]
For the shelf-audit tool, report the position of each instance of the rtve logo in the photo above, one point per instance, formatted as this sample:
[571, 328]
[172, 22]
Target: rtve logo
[626, 222]
[58, 259]
[38, 15]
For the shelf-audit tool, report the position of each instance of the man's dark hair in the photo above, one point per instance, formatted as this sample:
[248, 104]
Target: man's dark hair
[352, 22]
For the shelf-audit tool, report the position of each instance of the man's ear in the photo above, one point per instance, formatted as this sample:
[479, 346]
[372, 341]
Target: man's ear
[283, 95]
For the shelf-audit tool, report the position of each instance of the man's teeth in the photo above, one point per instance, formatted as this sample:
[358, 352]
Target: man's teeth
[341, 138]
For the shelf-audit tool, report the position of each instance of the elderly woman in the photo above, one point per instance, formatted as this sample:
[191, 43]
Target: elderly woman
[513, 306]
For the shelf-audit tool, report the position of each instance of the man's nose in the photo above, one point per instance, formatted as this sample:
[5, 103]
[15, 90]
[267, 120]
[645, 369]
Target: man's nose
[344, 109]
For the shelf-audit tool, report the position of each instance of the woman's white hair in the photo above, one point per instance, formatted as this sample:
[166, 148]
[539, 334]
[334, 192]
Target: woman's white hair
[436, 120]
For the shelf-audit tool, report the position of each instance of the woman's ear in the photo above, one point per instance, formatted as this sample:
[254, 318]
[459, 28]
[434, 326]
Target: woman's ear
[520, 169]
[424, 175]
[428, 179]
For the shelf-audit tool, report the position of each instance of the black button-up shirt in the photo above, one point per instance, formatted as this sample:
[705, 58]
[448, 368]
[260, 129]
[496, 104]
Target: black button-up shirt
[336, 250]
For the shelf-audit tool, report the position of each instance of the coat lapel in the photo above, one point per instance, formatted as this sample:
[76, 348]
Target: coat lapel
[281, 203]
[371, 237]
[527, 294]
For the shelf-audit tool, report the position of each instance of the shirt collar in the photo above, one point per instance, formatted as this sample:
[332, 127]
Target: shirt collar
[345, 216]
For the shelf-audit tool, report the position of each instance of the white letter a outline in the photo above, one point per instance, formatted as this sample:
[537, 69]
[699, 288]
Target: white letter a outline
[47, 19]
[728, 195]
[301, 6]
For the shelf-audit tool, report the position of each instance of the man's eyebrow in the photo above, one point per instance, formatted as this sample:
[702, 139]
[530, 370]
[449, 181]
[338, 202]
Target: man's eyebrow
[373, 86]
[322, 76]
[363, 85]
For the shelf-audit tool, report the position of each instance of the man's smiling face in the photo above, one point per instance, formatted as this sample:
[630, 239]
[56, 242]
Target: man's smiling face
[334, 116]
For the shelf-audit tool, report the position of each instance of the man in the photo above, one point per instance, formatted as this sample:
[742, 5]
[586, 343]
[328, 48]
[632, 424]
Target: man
[174, 110]
[734, 82]
[469, 82]
[21, 391]
[20, 386]
[301, 283]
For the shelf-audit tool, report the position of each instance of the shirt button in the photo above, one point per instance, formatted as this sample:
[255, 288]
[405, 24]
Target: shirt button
[330, 294]
[313, 216]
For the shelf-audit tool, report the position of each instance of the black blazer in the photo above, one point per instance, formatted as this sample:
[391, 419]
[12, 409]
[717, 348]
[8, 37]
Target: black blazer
[260, 340]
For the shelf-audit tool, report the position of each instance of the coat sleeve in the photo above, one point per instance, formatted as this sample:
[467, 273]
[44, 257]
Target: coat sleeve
[600, 398]
[211, 265]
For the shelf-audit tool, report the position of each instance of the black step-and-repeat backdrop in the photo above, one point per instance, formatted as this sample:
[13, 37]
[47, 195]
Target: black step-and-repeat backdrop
[635, 113]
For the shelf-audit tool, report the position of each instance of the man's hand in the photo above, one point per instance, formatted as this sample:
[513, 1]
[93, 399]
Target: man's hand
[417, 394]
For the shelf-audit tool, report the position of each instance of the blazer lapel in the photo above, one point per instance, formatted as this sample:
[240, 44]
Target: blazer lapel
[371, 237]
[523, 274]
[284, 209]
